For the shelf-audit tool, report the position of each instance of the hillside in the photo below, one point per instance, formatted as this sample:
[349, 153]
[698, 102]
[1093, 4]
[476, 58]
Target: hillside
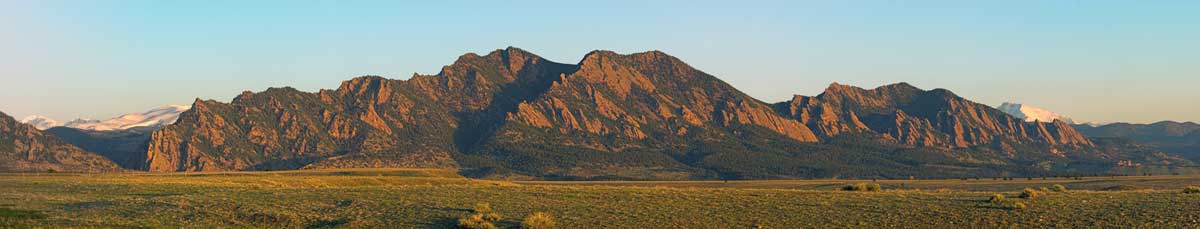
[23, 148]
[511, 114]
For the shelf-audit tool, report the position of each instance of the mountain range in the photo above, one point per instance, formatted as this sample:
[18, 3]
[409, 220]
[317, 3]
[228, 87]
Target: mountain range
[23, 148]
[154, 118]
[1182, 138]
[511, 114]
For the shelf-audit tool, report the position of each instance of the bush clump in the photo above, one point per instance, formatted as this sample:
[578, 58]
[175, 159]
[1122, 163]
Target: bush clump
[483, 218]
[1120, 188]
[1029, 193]
[538, 220]
[999, 201]
[1058, 188]
[863, 187]
[475, 221]
[1192, 189]
[1015, 205]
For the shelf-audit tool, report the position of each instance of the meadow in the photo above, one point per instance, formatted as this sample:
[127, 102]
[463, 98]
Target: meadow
[414, 198]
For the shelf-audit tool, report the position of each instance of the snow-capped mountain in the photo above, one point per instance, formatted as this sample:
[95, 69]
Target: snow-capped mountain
[80, 122]
[40, 122]
[157, 117]
[1096, 124]
[1030, 113]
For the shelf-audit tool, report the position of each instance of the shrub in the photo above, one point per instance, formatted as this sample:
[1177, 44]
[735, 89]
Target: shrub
[1015, 205]
[862, 187]
[492, 217]
[1029, 193]
[997, 199]
[1044, 189]
[854, 187]
[1192, 189]
[1120, 188]
[485, 211]
[1058, 188]
[538, 220]
[482, 219]
[482, 208]
[475, 221]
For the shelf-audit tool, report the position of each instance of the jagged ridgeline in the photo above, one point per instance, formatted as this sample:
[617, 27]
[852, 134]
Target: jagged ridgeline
[23, 148]
[512, 114]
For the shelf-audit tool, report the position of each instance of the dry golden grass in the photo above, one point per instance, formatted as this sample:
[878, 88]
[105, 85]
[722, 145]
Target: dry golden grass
[983, 184]
[438, 198]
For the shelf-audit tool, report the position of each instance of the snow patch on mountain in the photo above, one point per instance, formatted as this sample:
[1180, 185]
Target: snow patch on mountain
[1030, 113]
[1097, 124]
[157, 117]
[40, 122]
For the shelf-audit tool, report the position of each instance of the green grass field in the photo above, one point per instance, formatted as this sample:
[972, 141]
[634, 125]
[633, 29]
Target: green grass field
[433, 198]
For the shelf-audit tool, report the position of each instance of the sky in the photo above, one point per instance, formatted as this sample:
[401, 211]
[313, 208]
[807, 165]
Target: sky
[1102, 61]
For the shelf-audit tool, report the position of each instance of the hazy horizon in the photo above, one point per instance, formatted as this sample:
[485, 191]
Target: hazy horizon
[1093, 62]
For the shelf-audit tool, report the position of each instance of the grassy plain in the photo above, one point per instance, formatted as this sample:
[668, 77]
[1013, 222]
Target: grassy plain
[434, 198]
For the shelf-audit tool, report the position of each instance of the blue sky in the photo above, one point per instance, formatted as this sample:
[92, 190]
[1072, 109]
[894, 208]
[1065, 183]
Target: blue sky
[1134, 61]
